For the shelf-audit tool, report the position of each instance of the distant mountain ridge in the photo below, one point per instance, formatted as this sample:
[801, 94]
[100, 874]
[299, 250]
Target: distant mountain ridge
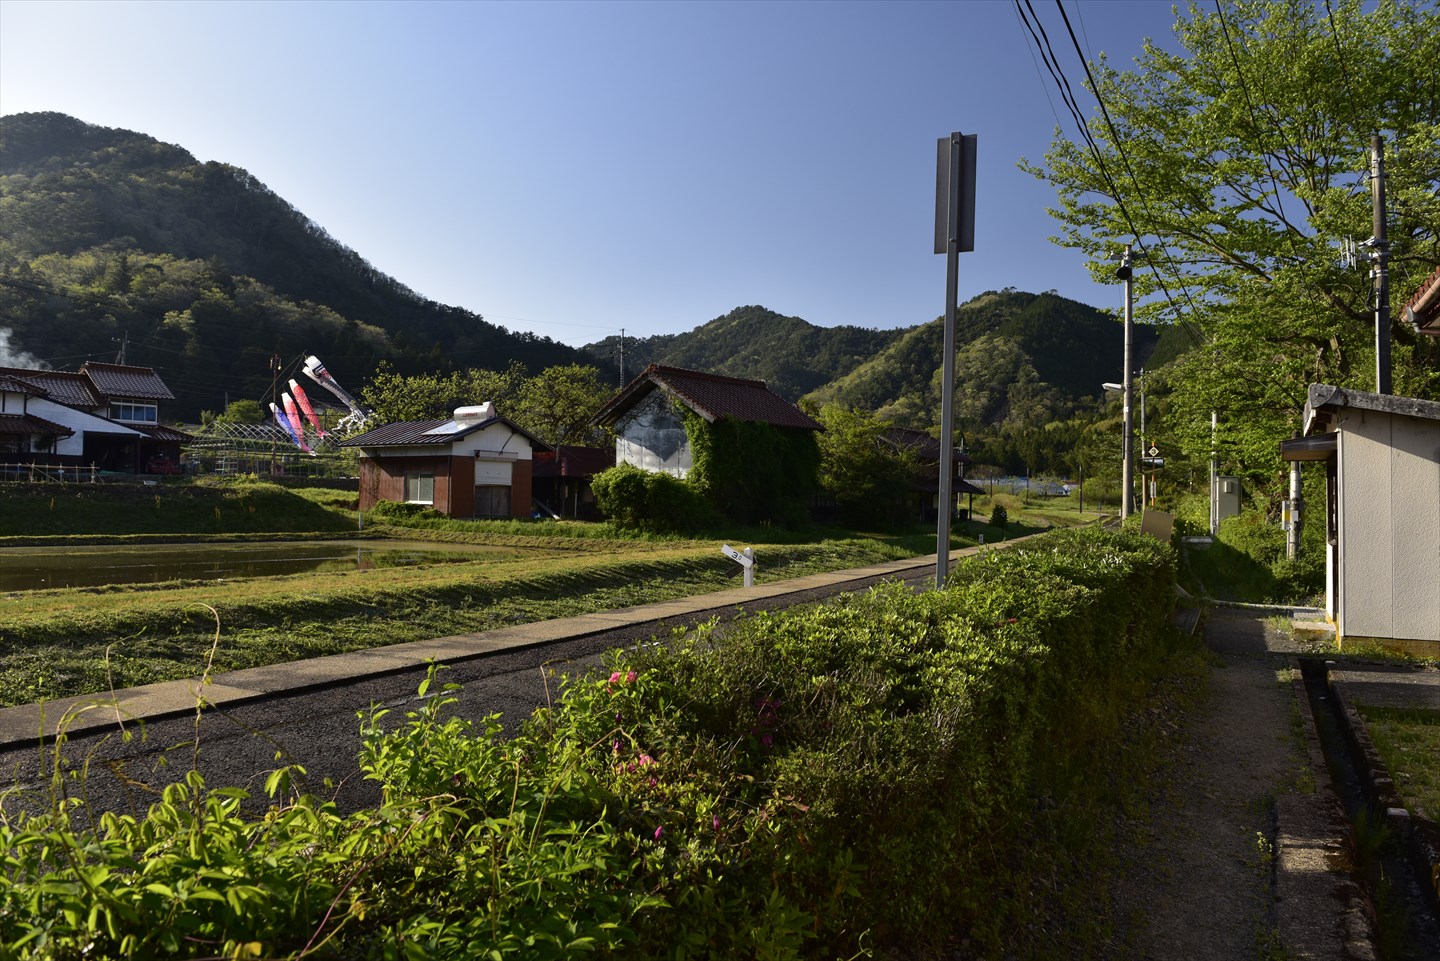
[791, 355]
[1019, 357]
[109, 235]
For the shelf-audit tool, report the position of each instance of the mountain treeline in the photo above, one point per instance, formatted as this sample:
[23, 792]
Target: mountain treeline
[792, 356]
[201, 271]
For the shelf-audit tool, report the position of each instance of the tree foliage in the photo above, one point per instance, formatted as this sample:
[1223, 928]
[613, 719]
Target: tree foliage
[868, 477]
[1240, 164]
[555, 404]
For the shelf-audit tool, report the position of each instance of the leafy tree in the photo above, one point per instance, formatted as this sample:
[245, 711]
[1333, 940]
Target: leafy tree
[556, 404]
[242, 412]
[1239, 165]
[868, 477]
[398, 397]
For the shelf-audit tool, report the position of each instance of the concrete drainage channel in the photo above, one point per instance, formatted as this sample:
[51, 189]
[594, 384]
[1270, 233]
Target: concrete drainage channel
[1397, 854]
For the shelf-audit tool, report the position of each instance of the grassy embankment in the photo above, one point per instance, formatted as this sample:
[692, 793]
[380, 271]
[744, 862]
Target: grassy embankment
[80, 641]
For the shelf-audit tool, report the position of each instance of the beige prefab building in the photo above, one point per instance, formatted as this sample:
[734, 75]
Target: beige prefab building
[1382, 513]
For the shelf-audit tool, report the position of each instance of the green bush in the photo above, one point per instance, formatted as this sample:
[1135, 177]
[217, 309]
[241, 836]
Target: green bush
[826, 782]
[999, 517]
[641, 500]
[398, 511]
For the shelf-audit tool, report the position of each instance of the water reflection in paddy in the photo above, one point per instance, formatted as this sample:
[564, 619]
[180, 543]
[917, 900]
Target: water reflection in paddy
[37, 568]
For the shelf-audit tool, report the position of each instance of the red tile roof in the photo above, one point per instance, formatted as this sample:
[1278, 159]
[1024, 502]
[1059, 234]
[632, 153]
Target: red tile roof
[1423, 310]
[135, 383]
[711, 396]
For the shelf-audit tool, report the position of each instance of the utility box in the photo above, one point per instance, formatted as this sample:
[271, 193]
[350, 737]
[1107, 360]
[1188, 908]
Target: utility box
[1227, 497]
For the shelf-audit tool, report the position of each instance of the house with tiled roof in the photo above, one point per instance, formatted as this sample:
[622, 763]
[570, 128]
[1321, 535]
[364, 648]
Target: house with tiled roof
[649, 425]
[760, 455]
[102, 417]
[474, 464]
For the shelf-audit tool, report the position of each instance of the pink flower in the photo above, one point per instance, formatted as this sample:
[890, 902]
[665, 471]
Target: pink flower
[630, 677]
[659, 831]
[615, 678]
[715, 821]
[645, 759]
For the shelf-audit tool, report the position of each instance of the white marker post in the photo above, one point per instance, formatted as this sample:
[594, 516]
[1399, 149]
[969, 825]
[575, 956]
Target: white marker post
[745, 559]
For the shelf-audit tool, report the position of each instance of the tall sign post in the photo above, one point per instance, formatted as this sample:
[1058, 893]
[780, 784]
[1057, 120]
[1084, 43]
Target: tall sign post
[954, 232]
[1127, 452]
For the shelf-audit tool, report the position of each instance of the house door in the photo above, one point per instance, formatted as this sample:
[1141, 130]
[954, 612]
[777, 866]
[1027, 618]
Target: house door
[492, 500]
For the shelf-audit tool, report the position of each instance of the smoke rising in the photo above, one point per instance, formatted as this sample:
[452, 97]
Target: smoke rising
[13, 356]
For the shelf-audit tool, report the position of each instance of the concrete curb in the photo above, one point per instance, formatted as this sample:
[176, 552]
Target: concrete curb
[1321, 909]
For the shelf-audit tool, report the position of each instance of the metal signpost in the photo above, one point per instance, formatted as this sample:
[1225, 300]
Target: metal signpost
[745, 559]
[954, 232]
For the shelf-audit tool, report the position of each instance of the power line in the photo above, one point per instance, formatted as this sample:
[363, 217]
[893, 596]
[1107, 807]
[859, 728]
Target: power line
[1119, 146]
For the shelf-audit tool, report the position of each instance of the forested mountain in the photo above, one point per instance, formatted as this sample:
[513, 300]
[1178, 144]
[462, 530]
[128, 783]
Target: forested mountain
[1019, 359]
[109, 236]
[791, 355]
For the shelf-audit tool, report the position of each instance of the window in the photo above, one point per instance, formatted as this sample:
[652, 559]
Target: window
[134, 413]
[419, 487]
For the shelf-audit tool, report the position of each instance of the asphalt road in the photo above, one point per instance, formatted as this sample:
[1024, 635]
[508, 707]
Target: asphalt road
[238, 746]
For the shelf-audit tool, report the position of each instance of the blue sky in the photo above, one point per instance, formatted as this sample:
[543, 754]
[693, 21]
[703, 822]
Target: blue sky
[577, 168]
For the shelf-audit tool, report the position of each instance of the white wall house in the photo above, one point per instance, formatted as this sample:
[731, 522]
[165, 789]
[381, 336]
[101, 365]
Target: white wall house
[103, 416]
[1382, 513]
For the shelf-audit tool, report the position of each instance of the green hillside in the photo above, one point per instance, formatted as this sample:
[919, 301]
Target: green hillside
[109, 235]
[791, 355]
[1019, 358]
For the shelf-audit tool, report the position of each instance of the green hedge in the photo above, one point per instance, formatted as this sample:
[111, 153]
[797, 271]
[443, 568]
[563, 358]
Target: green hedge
[812, 784]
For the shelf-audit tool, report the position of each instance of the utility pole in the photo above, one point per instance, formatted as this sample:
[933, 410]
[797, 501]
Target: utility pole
[622, 356]
[1379, 273]
[1127, 454]
[954, 232]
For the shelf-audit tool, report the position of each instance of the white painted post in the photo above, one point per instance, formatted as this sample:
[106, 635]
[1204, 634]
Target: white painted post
[745, 559]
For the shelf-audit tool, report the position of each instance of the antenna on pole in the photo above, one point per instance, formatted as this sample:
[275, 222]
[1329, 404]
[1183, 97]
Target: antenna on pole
[622, 356]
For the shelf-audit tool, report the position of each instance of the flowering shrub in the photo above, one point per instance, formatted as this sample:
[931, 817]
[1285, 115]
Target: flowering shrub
[812, 784]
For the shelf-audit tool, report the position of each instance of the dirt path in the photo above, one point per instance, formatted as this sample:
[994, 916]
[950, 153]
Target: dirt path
[1206, 866]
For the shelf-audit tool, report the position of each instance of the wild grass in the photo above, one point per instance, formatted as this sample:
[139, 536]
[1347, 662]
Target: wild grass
[1409, 743]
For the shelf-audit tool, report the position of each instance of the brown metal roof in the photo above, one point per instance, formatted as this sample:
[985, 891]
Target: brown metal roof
[115, 380]
[416, 433]
[569, 461]
[32, 425]
[712, 396]
[922, 444]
